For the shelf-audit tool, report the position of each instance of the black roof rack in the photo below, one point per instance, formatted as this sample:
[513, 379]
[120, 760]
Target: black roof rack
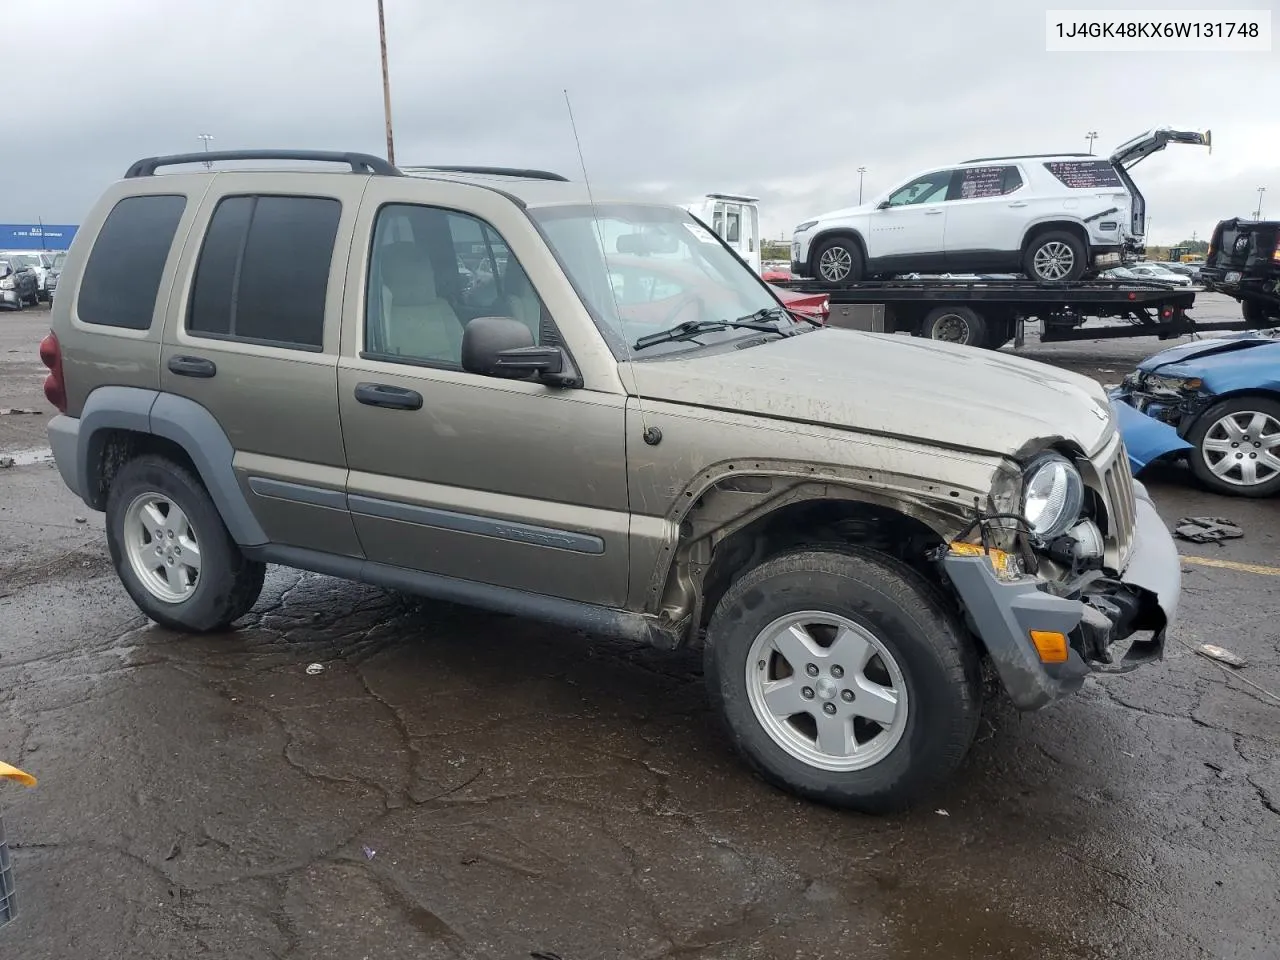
[359, 162]
[1032, 156]
[499, 172]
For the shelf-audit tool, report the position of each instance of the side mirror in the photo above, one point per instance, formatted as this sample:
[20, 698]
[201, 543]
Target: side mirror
[504, 347]
[882, 205]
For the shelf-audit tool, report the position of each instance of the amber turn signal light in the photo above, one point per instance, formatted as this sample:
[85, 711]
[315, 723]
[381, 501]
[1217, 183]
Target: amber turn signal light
[1051, 646]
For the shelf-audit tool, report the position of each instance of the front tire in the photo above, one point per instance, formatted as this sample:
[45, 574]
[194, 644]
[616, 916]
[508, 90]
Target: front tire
[1236, 447]
[172, 551]
[1054, 257]
[841, 676]
[838, 260]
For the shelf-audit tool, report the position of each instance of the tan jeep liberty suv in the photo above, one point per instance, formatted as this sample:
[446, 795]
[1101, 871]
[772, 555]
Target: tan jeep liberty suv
[489, 386]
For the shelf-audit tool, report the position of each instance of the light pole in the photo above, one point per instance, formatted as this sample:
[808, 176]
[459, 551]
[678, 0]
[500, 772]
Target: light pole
[206, 137]
[861, 171]
[1091, 136]
[386, 86]
[1258, 214]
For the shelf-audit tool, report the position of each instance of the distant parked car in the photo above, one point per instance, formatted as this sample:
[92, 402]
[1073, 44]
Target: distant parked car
[18, 285]
[1188, 270]
[1244, 263]
[38, 262]
[1158, 271]
[1223, 398]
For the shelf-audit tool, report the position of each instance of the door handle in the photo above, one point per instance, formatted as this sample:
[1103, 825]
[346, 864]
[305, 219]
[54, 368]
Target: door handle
[192, 367]
[933, 213]
[385, 395]
[1020, 203]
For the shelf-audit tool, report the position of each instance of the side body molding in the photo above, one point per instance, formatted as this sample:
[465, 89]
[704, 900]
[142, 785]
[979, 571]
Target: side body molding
[182, 421]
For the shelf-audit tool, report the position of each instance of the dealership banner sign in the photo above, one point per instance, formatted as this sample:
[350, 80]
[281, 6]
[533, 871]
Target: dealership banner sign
[36, 236]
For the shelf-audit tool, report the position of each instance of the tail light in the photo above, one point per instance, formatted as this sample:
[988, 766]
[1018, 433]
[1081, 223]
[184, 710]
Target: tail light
[55, 387]
[1275, 254]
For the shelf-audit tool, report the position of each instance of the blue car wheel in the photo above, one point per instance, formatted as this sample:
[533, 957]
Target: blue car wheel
[1236, 447]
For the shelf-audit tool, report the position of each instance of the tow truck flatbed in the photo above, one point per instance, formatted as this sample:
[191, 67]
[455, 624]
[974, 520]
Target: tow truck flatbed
[991, 312]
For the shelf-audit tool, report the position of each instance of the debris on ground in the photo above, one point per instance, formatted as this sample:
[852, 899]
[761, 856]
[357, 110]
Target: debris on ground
[369, 854]
[82, 519]
[18, 411]
[942, 813]
[314, 668]
[1221, 654]
[6, 462]
[1206, 529]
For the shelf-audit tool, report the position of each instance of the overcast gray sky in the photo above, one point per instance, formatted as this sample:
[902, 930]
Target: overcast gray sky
[783, 100]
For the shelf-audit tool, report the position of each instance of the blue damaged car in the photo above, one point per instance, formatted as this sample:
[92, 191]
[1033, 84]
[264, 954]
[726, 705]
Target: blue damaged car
[1222, 397]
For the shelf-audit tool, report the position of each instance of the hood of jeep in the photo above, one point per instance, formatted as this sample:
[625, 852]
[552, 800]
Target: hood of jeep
[910, 387]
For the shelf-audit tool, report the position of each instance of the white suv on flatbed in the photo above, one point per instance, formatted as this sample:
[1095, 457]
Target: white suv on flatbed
[1051, 217]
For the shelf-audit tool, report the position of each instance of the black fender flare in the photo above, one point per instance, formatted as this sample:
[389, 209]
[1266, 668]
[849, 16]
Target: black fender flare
[179, 420]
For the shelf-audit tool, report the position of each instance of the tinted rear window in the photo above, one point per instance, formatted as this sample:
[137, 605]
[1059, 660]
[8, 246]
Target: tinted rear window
[1085, 174]
[122, 278]
[264, 270]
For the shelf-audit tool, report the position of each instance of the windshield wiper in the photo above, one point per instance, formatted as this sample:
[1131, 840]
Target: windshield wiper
[694, 328]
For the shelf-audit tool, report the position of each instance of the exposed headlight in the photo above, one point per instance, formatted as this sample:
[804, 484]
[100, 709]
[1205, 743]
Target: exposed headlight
[6, 284]
[1052, 495]
[1172, 386]
[807, 225]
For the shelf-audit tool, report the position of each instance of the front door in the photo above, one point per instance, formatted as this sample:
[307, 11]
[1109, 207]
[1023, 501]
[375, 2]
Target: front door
[907, 229]
[504, 482]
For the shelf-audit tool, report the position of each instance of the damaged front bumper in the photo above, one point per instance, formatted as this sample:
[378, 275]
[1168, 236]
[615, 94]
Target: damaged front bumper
[1019, 619]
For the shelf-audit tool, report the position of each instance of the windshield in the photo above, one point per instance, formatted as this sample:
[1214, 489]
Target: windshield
[22, 260]
[642, 269]
[58, 260]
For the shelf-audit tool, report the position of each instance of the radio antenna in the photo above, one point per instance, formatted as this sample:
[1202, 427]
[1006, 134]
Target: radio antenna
[651, 435]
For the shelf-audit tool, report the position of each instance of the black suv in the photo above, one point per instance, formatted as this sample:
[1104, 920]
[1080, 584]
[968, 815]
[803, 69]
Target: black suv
[1244, 262]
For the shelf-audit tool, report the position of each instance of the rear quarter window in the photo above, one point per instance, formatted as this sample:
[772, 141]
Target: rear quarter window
[1085, 174]
[122, 277]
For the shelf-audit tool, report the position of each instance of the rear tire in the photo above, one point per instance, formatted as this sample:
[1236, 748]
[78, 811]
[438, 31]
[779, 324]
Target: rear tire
[868, 636]
[956, 325]
[838, 260]
[1055, 256]
[155, 506]
[1211, 439]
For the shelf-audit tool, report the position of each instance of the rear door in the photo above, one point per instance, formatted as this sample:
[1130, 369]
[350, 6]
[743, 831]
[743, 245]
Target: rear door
[987, 210]
[253, 334]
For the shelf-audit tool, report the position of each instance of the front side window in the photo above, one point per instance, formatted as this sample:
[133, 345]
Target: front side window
[122, 278]
[931, 188]
[640, 269]
[432, 271]
[263, 272]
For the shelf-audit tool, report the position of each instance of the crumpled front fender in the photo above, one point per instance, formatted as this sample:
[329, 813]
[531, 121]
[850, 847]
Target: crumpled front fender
[1145, 439]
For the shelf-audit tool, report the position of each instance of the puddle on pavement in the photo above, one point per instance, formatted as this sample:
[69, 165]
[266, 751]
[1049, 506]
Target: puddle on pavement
[26, 458]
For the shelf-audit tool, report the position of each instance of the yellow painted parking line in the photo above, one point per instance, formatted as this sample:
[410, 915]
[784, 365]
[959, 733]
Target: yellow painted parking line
[1232, 565]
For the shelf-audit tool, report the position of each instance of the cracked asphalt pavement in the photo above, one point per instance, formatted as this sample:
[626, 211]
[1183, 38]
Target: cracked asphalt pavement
[454, 784]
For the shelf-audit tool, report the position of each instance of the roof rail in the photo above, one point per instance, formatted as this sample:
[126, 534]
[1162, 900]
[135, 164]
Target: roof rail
[496, 171]
[359, 162]
[732, 196]
[1032, 156]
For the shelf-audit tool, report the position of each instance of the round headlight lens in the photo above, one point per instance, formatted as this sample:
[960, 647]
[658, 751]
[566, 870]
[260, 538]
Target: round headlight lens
[1052, 496]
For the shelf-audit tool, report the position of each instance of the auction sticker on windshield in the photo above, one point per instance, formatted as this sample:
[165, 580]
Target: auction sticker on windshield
[701, 233]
